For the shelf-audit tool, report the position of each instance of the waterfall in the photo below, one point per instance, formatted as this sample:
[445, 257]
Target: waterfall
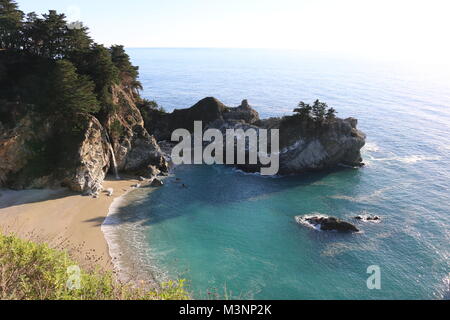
[113, 157]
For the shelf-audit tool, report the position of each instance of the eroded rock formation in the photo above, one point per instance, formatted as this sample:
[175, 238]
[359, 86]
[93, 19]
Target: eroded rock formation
[305, 145]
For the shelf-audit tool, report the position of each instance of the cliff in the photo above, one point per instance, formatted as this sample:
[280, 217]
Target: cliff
[77, 153]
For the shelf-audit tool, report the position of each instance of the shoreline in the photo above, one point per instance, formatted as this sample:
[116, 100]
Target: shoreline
[65, 220]
[129, 266]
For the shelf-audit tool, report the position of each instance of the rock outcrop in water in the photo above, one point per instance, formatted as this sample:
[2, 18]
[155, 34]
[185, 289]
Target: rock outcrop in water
[305, 145]
[327, 223]
[368, 218]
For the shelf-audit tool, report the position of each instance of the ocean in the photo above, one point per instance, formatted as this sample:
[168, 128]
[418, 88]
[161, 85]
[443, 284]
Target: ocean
[233, 235]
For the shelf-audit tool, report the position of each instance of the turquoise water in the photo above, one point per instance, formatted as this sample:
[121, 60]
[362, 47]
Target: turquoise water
[235, 232]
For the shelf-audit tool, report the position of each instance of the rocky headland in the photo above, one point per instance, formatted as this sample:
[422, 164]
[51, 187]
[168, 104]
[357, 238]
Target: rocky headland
[305, 145]
[78, 152]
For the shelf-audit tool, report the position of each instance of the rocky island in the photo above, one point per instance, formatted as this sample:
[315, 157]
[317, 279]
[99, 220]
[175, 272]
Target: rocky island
[325, 223]
[305, 143]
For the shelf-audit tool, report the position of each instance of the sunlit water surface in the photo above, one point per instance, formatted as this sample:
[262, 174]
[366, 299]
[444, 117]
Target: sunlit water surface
[235, 234]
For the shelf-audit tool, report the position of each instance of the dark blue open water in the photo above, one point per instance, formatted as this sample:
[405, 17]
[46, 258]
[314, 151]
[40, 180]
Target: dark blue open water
[233, 232]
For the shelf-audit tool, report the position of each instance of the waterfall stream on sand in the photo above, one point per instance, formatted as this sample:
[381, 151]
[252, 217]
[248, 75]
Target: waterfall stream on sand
[113, 157]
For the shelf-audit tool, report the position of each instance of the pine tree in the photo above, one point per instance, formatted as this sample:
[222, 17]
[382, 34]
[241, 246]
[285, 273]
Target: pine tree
[53, 31]
[10, 25]
[319, 110]
[304, 110]
[77, 39]
[97, 64]
[331, 114]
[71, 93]
[128, 72]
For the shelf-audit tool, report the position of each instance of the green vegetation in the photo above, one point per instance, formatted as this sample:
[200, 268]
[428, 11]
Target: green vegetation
[116, 129]
[150, 105]
[53, 67]
[319, 112]
[31, 271]
[72, 93]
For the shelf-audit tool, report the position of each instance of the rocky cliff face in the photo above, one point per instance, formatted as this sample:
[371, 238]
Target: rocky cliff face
[48, 152]
[92, 159]
[39, 152]
[304, 144]
[135, 149]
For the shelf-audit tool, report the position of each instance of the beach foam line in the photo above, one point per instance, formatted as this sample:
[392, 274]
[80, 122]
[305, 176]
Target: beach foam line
[111, 234]
[108, 228]
[409, 159]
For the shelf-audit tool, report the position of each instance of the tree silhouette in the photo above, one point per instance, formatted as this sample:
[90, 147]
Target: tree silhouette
[10, 24]
[318, 112]
[71, 93]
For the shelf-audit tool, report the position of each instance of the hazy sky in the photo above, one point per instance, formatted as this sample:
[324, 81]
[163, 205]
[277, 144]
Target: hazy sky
[407, 29]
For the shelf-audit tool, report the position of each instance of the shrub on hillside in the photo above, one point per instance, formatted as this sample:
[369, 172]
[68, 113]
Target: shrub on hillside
[32, 271]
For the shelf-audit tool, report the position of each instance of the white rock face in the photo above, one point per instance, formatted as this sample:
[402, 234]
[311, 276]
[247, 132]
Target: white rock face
[310, 156]
[94, 160]
[336, 143]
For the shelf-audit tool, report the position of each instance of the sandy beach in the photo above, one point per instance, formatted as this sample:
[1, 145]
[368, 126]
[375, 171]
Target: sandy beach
[63, 219]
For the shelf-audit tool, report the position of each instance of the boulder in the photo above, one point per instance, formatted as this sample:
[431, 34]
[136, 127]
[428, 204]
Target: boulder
[327, 223]
[157, 183]
[368, 218]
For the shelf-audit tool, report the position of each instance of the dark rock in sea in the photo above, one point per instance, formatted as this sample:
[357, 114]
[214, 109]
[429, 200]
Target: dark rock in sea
[327, 223]
[157, 183]
[148, 172]
[368, 218]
